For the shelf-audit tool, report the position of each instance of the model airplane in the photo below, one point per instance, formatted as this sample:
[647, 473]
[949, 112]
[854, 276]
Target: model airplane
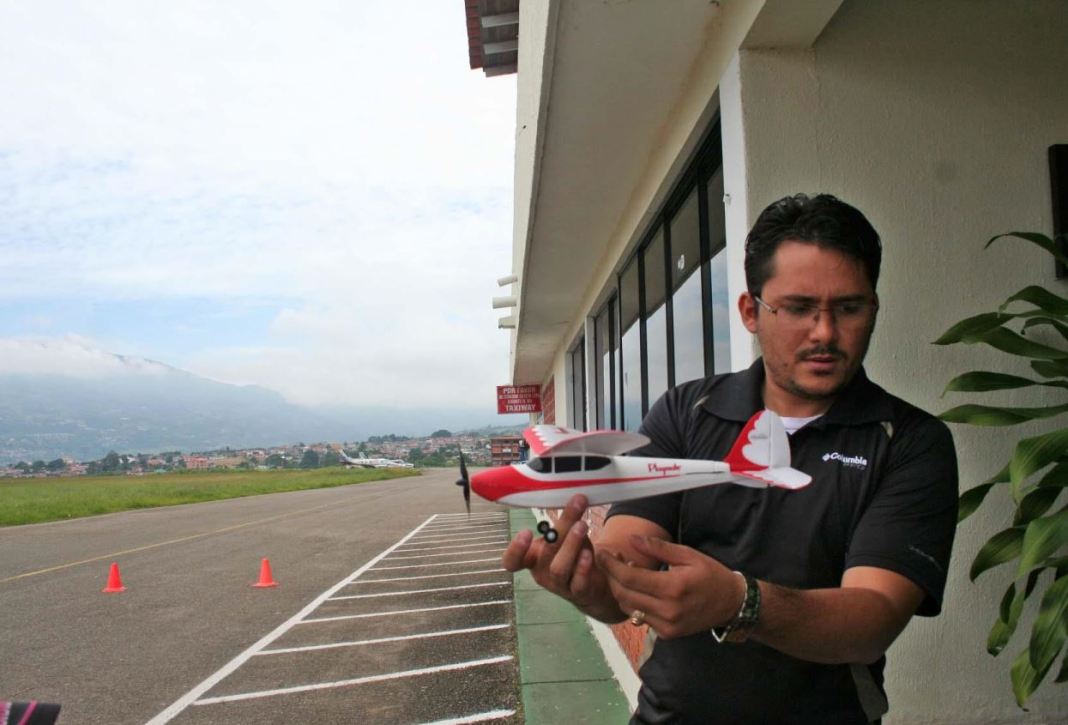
[567, 462]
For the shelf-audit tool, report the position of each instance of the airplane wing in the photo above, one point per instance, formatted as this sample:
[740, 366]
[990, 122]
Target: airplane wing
[546, 439]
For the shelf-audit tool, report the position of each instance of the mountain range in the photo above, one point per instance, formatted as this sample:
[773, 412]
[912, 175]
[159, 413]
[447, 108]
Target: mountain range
[132, 405]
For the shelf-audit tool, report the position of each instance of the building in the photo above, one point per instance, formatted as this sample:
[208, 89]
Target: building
[504, 450]
[649, 135]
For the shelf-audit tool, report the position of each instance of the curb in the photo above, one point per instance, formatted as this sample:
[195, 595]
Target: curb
[563, 674]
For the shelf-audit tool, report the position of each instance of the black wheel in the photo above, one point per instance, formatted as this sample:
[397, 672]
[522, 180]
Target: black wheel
[543, 527]
[551, 536]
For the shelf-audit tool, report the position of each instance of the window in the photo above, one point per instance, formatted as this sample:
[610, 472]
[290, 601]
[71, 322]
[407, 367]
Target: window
[604, 365]
[719, 304]
[594, 463]
[567, 464]
[576, 413]
[540, 465]
[686, 298]
[630, 348]
[656, 342]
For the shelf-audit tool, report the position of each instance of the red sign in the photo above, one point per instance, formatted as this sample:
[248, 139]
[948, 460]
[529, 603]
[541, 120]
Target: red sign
[518, 399]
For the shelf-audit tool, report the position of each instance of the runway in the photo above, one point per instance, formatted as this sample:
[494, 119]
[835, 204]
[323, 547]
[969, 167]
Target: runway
[391, 607]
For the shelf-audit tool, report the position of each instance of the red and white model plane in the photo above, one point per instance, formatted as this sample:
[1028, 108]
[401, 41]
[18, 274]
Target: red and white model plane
[565, 462]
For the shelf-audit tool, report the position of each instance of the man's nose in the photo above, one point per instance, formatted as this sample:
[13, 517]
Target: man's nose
[824, 327]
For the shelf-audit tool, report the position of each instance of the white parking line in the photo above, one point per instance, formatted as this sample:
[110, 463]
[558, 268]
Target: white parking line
[438, 563]
[342, 617]
[455, 553]
[418, 591]
[454, 539]
[464, 527]
[190, 697]
[380, 640]
[452, 546]
[478, 717]
[354, 681]
[430, 576]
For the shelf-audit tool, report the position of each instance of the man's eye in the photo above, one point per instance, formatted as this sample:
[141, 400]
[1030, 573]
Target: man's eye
[799, 310]
[849, 309]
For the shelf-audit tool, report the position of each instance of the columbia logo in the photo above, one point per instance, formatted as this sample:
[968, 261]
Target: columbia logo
[851, 461]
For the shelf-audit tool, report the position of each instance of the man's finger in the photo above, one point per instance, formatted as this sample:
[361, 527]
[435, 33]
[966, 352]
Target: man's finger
[575, 509]
[513, 558]
[563, 564]
[663, 551]
[629, 577]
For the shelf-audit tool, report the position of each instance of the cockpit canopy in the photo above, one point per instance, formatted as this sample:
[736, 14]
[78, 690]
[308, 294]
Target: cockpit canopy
[567, 464]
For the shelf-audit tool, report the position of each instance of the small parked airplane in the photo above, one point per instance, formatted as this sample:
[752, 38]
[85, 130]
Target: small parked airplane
[372, 462]
[567, 462]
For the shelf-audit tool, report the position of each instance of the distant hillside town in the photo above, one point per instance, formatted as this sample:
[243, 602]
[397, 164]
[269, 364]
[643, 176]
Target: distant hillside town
[440, 448]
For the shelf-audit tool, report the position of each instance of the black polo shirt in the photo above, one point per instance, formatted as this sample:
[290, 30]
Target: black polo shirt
[883, 494]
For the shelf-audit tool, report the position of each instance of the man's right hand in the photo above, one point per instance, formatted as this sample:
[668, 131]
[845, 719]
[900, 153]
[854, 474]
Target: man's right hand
[567, 567]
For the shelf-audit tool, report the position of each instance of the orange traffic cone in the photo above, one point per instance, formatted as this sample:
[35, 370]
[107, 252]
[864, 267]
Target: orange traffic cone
[266, 580]
[114, 581]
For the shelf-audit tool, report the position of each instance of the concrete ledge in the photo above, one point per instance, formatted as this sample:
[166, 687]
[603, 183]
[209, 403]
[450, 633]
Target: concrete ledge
[564, 676]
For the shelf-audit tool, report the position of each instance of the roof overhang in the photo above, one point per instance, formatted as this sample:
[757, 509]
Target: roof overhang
[626, 91]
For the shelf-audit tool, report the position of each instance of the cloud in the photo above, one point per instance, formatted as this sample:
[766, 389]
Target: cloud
[302, 157]
[70, 356]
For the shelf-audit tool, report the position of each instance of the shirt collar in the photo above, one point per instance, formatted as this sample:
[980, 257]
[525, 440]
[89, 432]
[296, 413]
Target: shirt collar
[738, 397]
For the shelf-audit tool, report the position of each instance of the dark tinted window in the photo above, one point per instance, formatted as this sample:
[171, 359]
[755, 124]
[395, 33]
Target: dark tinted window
[595, 462]
[567, 464]
[539, 465]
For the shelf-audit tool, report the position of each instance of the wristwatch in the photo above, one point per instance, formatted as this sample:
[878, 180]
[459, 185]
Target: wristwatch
[739, 628]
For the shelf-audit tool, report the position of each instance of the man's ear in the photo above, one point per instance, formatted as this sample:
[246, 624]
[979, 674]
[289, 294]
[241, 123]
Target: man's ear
[748, 308]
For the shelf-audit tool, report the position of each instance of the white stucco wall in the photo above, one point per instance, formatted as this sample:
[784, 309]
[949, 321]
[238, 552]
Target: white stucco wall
[934, 119]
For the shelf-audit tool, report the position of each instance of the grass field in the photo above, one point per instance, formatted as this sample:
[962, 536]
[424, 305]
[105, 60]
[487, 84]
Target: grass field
[32, 501]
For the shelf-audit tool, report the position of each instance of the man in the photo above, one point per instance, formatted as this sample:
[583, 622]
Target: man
[771, 605]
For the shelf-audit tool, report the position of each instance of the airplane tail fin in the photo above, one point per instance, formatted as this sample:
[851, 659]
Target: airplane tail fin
[762, 454]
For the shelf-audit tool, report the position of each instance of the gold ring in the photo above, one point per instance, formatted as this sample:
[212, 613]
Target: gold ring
[637, 617]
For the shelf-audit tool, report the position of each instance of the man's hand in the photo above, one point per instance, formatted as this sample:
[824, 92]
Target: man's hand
[566, 568]
[694, 594]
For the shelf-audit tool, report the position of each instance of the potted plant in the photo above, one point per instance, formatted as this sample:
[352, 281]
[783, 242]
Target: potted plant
[1036, 474]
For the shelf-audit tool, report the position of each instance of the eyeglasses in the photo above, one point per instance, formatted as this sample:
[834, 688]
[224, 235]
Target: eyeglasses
[848, 314]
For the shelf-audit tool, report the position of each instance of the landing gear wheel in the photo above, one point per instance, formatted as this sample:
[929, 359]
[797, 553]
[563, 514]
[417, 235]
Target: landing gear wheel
[544, 527]
[551, 536]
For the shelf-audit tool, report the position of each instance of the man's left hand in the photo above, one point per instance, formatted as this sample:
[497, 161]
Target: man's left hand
[694, 594]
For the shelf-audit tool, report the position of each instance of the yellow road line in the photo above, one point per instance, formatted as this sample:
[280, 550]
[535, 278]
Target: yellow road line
[115, 554]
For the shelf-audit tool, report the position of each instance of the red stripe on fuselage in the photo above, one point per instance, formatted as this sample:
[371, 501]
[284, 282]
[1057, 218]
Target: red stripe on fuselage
[500, 482]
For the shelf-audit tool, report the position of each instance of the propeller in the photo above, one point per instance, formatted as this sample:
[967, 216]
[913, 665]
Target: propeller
[464, 481]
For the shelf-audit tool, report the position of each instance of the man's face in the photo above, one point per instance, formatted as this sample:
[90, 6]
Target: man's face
[810, 359]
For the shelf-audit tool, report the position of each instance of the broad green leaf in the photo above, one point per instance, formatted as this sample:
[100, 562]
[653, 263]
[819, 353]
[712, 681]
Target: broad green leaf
[1042, 538]
[1034, 454]
[971, 499]
[981, 381]
[1002, 547]
[1062, 676]
[1051, 629]
[973, 414]
[1041, 298]
[1051, 368]
[1008, 341]
[1060, 327]
[1040, 239]
[1035, 504]
[1056, 477]
[966, 330]
[1000, 634]
[1025, 680]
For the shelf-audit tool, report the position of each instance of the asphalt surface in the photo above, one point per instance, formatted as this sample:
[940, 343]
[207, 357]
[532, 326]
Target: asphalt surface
[190, 610]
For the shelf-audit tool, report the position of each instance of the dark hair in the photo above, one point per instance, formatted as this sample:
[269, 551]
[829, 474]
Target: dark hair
[822, 220]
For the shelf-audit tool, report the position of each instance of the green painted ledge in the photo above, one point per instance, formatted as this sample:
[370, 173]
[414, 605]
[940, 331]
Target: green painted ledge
[563, 673]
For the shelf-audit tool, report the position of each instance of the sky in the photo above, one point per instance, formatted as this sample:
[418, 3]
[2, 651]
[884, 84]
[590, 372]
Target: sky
[314, 197]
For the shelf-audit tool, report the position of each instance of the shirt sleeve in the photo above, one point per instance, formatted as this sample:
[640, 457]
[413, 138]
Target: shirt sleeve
[909, 525]
[667, 439]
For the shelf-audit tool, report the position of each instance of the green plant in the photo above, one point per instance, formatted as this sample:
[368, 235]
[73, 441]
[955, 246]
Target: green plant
[1036, 474]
